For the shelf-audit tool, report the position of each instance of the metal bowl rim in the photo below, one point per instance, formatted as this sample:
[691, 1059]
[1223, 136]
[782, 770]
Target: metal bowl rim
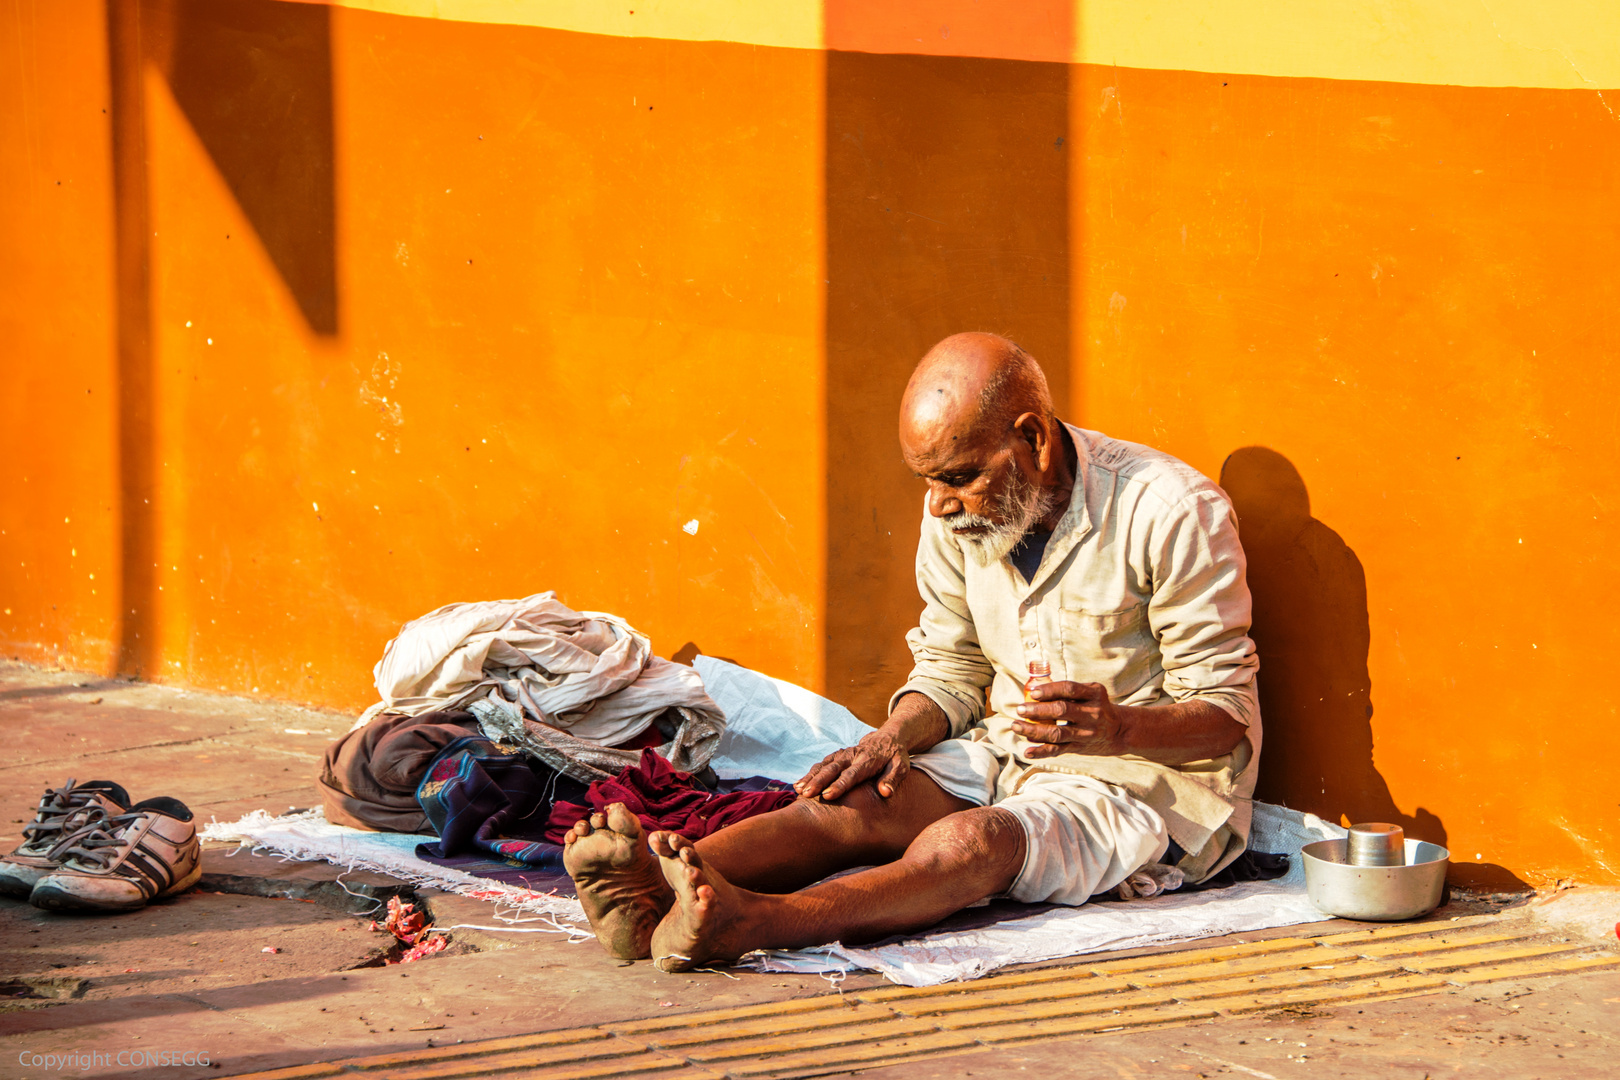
[1443, 856]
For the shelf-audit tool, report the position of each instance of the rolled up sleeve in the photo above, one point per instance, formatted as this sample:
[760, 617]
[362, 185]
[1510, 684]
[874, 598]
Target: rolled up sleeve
[1200, 607]
[950, 668]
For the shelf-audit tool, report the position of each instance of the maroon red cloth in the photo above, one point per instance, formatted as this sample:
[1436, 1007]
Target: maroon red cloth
[668, 800]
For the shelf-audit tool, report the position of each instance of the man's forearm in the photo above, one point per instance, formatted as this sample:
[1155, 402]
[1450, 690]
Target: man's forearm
[917, 723]
[1177, 734]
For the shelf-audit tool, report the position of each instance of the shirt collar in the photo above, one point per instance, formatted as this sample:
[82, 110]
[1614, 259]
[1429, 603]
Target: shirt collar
[1072, 527]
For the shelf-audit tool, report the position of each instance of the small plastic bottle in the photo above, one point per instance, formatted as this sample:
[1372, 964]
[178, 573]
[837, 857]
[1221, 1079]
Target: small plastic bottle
[1039, 672]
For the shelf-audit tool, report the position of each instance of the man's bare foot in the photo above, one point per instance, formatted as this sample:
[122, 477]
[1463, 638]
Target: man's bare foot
[708, 920]
[619, 882]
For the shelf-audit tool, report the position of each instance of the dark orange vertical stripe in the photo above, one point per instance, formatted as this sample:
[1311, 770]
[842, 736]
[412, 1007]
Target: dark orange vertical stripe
[1032, 30]
[137, 491]
[948, 196]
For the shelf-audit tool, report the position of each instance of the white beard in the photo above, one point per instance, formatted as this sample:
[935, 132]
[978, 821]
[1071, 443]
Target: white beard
[1020, 505]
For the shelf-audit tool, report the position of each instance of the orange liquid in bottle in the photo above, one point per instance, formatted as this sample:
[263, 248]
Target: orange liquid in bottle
[1039, 672]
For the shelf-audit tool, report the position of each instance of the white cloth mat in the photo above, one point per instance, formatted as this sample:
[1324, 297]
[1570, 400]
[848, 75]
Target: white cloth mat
[930, 959]
[779, 730]
[308, 837]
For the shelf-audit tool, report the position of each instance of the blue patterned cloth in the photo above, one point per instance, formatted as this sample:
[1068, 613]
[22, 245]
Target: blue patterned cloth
[489, 804]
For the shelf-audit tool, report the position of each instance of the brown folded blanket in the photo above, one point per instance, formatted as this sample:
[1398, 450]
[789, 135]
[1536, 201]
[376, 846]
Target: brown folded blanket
[368, 777]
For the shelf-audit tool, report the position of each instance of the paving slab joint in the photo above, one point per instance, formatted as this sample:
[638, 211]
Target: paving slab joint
[356, 899]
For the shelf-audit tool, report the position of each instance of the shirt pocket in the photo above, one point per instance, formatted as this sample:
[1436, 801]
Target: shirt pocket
[1116, 649]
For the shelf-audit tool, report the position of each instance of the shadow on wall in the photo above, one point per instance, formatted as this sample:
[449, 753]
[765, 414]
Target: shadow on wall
[1310, 624]
[690, 651]
[1311, 627]
[947, 210]
[254, 78]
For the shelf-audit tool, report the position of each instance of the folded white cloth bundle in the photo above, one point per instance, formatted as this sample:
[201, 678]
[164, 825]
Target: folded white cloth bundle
[587, 675]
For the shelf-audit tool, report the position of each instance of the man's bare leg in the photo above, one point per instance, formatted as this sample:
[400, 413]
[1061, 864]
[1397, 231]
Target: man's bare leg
[802, 843]
[952, 863]
[625, 893]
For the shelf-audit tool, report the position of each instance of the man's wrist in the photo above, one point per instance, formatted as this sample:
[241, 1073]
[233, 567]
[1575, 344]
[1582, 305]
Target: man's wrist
[1128, 729]
[918, 722]
[1175, 734]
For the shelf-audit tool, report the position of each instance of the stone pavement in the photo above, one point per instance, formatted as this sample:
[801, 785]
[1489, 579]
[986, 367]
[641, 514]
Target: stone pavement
[189, 975]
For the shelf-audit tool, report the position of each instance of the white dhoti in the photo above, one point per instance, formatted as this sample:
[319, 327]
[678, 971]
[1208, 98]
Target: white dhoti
[1083, 836]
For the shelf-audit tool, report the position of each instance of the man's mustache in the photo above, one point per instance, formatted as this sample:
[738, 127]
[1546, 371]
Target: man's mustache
[965, 520]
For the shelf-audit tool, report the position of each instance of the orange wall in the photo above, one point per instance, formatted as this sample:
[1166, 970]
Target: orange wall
[58, 407]
[567, 306]
[1407, 292]
[497, 308]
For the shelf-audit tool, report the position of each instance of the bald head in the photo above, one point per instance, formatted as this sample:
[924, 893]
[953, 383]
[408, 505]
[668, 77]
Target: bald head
[977, 424]
[968, 388]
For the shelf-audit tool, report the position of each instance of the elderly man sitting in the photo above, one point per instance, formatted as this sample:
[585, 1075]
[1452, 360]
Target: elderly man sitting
[1116, 565]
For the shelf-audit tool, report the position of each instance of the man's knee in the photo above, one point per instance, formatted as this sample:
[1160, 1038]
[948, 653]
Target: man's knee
[983, 841]
[863, 818]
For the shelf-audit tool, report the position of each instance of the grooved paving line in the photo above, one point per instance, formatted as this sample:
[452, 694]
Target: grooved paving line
[891, 1025]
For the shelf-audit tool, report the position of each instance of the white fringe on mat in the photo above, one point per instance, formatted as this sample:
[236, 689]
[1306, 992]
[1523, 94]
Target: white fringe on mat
[307, 836]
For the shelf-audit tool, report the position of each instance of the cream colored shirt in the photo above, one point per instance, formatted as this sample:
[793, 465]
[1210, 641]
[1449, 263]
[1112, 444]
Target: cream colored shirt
[1141, 589]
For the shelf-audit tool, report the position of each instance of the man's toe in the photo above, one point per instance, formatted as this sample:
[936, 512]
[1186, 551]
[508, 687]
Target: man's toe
[622, 821]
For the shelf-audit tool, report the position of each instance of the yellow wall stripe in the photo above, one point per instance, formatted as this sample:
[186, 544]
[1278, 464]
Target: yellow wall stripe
[1561, 44]
[794, 24]
[1568, 44]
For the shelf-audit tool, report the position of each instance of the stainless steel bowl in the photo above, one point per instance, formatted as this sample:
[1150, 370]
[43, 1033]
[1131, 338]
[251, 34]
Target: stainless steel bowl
[1375, 893]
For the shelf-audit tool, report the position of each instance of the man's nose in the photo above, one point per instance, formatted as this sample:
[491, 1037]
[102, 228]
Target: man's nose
[941, 503]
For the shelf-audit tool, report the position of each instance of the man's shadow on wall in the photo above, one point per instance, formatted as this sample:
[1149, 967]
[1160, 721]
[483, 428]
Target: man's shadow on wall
[1311, 627]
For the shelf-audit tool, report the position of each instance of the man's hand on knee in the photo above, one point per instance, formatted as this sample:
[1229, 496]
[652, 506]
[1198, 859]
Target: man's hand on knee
[880, 754]
[915, 725]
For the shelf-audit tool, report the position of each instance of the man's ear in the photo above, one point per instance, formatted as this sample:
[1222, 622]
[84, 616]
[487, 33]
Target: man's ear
[1033, 431]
